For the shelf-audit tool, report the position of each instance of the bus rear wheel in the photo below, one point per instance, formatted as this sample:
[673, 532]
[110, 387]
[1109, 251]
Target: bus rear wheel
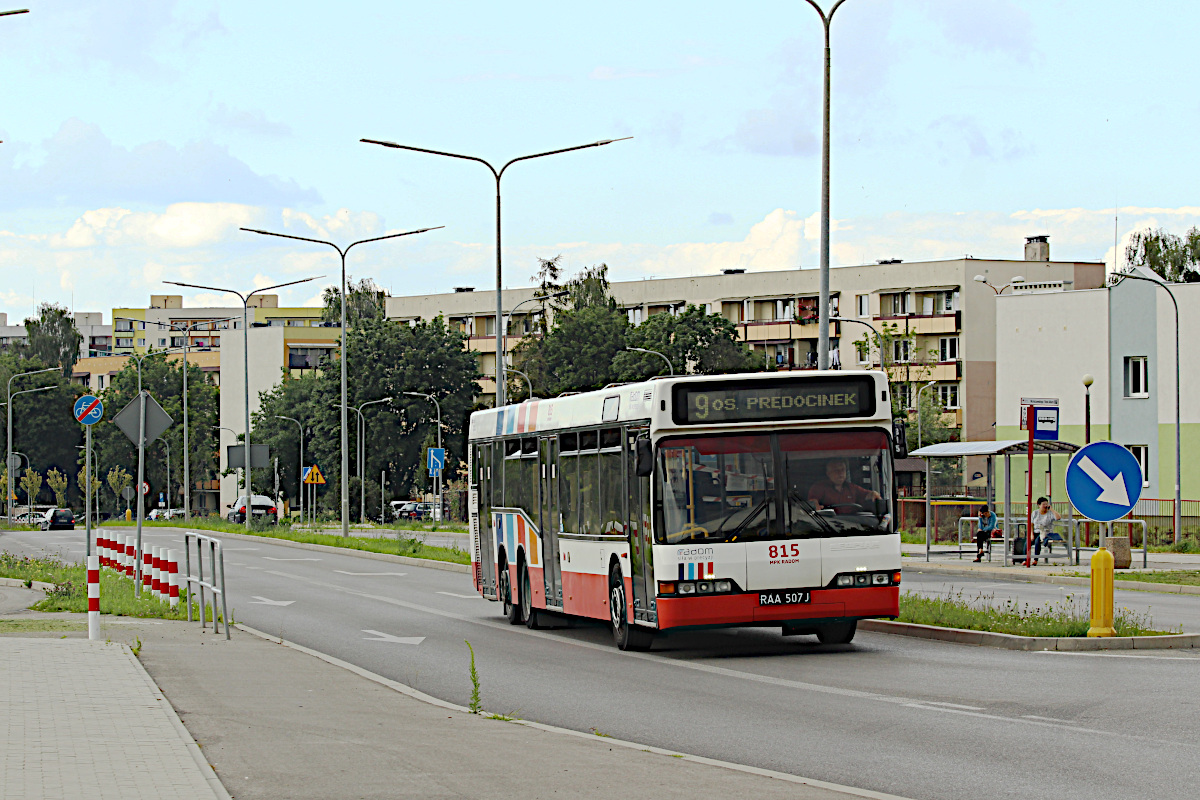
[511, 610]
[525, 595]
[838, 633]
[626, 635]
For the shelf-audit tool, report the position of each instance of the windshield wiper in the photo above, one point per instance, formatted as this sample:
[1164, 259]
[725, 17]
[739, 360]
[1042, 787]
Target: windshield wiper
[808, 509]
[762, 504]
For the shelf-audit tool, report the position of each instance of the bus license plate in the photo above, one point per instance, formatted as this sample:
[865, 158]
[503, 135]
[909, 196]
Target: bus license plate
[784, 597]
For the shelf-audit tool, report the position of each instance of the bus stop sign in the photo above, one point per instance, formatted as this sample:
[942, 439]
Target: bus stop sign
[1104, 481]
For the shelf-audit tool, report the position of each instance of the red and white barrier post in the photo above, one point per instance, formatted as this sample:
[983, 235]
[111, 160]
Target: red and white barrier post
[93, 589]
[164, 589]
[173, 576]
[147, 568]
[130, 556]
[119, 552]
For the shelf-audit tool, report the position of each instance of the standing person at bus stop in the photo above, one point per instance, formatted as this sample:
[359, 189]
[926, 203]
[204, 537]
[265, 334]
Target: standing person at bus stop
[1043, 527]
[987, 526]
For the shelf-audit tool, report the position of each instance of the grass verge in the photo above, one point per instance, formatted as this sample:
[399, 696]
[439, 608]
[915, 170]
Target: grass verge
[70, 590]
[1186, 577]
[413, 547]
[1069, 617]
[40, 626]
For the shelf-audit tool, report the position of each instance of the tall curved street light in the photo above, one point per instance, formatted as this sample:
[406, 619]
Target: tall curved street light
[1178, 461]
[528, 383]
[362, 454]
[245, 298]
[1017, 279]
[919, 392]
[300, 469]
[501, 399]
[8, 452]
[670, 368]
[878, 338]
[823, 303]
[341, 251]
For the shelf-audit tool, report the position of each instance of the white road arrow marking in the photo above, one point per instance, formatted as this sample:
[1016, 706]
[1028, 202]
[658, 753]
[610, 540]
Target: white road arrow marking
[269, 558]
[264, 601]
[1112, 490]
[360, 574]
[379, 636]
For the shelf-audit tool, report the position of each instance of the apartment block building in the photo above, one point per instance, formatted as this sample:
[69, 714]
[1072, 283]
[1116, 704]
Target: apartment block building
[944, 319]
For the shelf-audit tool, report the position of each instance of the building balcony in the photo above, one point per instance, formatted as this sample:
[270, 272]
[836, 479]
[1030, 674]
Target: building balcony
[933, 324]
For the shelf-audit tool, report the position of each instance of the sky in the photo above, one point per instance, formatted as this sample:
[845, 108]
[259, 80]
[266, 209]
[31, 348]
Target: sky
[139, 135]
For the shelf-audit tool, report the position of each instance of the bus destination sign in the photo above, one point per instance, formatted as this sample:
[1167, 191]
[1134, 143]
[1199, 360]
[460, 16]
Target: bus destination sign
[773, 400]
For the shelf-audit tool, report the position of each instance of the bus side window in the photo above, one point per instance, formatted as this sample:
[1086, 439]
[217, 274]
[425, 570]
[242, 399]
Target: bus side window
[568, 498]
[612, 482]
[589, 483]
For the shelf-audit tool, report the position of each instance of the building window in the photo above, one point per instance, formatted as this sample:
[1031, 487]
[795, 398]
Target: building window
[863, 351]
[896, 305]
[634, 315]
[124, 342]
[948, 395]
[1142, 453]
[142, 343]
[122, 325]
[904, 394]
[863, 301]
[178, 341]
[949, 302]
[948, 348]
[489, 326]
[901, 351]
[1137, 376]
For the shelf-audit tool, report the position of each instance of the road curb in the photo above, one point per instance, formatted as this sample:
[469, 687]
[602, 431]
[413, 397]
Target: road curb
[1006, 641]
[18, 583]
[1065, 580]
[416, 694]
[448, 566]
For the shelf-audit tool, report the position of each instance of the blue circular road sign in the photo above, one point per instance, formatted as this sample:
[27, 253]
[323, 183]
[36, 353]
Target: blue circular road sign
[89, 410]
[1104, 481]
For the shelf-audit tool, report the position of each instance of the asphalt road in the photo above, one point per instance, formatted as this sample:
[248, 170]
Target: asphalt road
[915, 718]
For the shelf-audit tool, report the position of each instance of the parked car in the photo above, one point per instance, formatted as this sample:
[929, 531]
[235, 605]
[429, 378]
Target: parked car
[261, 506]
[421, 511]
[58, 519]
[165, 513]
[401, 508]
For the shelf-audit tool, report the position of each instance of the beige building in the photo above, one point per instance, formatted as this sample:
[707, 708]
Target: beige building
[944, 319]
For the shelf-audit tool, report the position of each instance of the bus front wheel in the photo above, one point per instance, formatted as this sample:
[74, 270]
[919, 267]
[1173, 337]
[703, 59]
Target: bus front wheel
[839, 633]
[626, 635]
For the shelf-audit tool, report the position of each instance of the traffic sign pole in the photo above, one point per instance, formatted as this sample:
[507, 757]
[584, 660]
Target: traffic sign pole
[1031, 422]
[141, 509]
[88, 411]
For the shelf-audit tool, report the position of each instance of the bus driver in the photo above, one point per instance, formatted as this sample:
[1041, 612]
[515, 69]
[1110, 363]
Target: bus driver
[837, 490]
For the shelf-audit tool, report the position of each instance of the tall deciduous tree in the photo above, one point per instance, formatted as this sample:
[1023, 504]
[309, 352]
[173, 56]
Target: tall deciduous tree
[57, 481]
[366, 302]
[695, 342]
[52, 338]
[42, 426]
[1173, 258]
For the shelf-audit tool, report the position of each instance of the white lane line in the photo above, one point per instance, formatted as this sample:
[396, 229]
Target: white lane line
[463, 596]
[236, 564]
[270, 558]
[725, 671]
[1048, 719]
[956, 705]
[234, 549]
[254, 568]
[1119, 655]
[379, 636]
[362, 574]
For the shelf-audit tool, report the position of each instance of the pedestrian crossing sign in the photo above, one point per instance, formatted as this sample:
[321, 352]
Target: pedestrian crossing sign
[313, 475]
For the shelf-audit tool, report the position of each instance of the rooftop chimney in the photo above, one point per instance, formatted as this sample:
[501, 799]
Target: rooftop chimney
[1037, 248]
[461, 289]
[732, 271]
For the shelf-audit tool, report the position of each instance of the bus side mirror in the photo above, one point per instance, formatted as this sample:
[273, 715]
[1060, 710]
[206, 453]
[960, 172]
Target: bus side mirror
[900, 439]
[645, 459]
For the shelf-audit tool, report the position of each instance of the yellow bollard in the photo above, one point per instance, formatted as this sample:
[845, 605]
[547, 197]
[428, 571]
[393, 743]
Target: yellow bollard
[1102, 594]
[129, 514]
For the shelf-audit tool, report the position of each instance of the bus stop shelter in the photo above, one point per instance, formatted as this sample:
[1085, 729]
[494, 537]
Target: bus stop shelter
[1007, 448]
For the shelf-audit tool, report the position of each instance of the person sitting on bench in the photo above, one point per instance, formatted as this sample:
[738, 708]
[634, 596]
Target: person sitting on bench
[1043, 519]
[987, 526]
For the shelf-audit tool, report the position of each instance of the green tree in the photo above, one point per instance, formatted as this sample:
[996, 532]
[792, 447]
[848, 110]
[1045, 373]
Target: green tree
[162, 377]
[118, 480]
[52, 338]
[366, 302]
[82, 478]
[42, 427]
[695, 342]
[31, 484]
[57, 482]
[1173, 258]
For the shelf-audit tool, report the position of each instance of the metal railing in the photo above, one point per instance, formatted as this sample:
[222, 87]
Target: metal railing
[215, 583]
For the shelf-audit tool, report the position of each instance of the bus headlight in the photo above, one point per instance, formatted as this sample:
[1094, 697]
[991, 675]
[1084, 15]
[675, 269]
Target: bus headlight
[880, 579]
[845, 580]
[723, 586]
[687, 588]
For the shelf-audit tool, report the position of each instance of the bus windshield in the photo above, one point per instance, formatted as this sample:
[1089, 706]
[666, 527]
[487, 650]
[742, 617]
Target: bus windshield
[730, 488]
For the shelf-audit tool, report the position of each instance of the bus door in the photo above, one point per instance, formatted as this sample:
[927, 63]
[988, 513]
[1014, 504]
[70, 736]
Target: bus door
[487, 535]
[641, 543]
[548, 522]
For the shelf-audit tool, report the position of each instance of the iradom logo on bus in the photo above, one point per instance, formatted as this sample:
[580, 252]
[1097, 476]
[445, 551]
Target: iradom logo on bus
[773, 399]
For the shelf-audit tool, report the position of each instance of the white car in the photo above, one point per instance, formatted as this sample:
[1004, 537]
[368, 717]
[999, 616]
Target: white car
[262, 506]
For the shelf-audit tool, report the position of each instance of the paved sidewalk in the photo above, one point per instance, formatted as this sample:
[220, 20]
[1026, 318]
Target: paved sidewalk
[83, 719]
[276, 722]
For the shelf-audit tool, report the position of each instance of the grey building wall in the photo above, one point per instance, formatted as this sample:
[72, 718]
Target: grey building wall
[1133, 332]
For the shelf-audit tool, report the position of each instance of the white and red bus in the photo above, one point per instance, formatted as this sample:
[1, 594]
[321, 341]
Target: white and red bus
[691, 502]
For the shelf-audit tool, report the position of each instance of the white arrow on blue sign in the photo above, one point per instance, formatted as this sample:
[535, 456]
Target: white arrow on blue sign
[437, 460]
[1104, 481]
[89, 410]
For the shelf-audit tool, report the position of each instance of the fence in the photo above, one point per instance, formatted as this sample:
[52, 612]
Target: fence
[1159, 515]
[215, 583]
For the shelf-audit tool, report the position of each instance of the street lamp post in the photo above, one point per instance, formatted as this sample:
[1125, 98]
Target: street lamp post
[237, 489]
[823, 310]
[434, 400]
[670, 368]
[1178, 458]
[245, 298]
[300, 467]
[498, 174]
[878, 338]
[1017, 279]
[362, 459]
[528, 383]
[8, 452]
[919, 391]
[1087, 408]
[344, 357]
